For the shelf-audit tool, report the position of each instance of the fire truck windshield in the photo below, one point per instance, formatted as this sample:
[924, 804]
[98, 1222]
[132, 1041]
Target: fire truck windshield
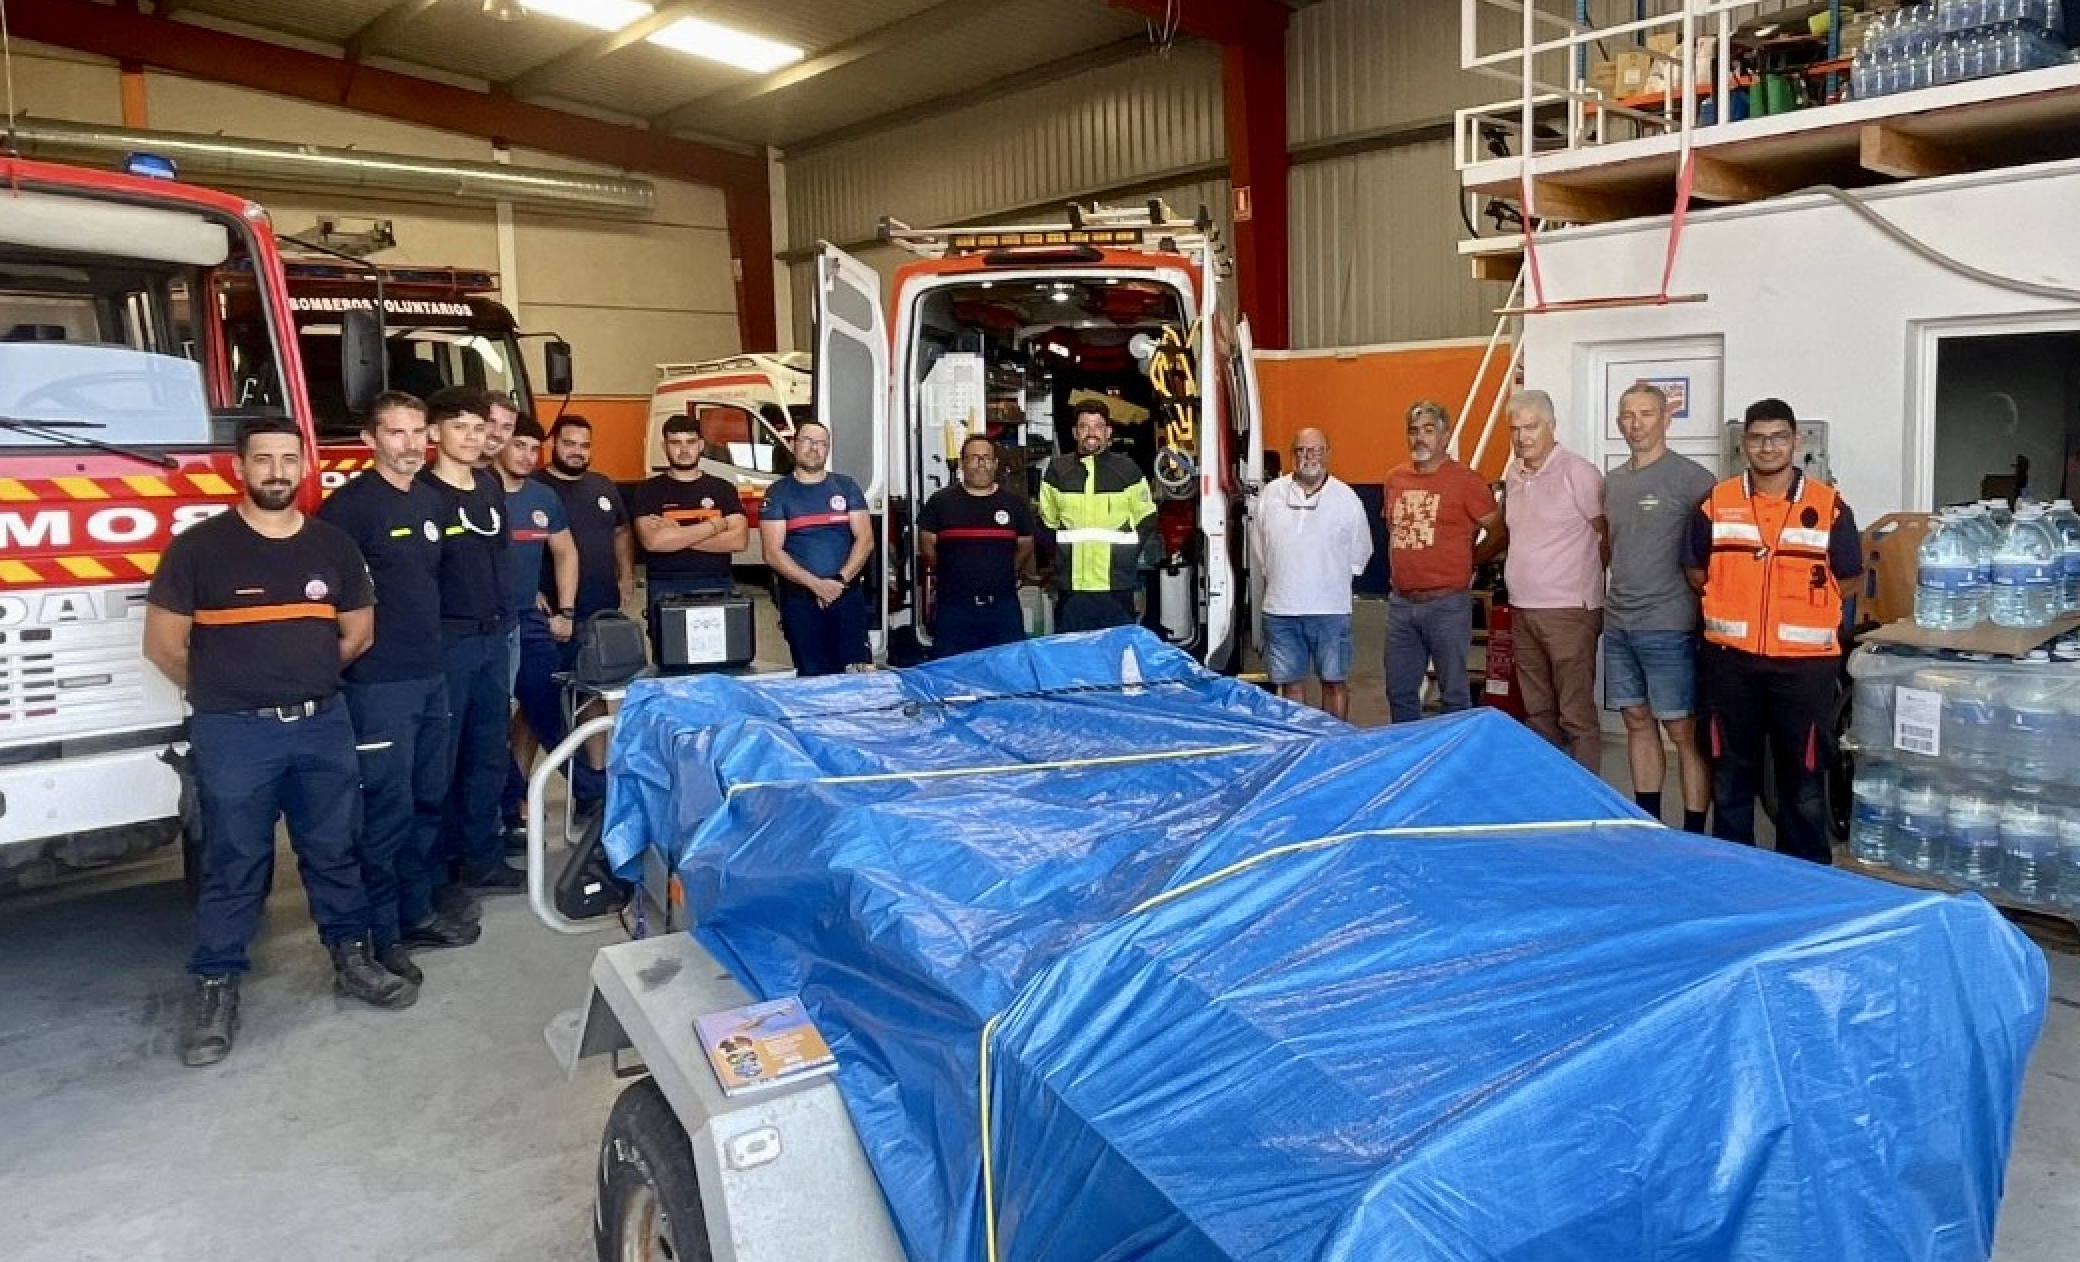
[120, 345]
[421, 360]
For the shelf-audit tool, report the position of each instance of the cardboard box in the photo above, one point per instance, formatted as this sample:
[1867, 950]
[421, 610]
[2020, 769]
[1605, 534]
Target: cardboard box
[1634, 69]
[1984, 638]
[1891, 546]
[1603, 77]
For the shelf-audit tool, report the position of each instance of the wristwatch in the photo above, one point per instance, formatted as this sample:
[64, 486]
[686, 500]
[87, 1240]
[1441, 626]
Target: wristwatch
[566, 612]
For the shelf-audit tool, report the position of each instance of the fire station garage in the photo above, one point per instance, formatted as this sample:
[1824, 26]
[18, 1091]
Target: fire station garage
[1039, 629]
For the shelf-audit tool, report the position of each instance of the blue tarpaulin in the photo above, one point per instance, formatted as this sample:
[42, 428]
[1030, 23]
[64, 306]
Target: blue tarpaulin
[1261, 985]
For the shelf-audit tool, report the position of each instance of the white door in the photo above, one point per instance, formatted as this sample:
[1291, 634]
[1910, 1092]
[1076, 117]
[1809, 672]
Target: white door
[850, 390]
[850, 387]
[1688, 372]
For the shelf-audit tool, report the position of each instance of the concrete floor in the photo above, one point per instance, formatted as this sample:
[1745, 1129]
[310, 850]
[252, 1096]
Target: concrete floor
[447, 1131]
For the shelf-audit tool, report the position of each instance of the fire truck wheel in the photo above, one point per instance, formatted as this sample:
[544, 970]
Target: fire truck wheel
[648, 1204]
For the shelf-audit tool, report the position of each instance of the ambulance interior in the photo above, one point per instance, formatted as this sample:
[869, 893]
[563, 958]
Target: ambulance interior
[1013, 358]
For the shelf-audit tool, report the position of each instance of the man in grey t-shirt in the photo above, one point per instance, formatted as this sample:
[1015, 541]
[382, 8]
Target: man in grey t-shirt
[1650, 611]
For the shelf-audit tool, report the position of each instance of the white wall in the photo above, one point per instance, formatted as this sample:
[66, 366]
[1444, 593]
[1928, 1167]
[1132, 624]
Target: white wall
[1818, 308]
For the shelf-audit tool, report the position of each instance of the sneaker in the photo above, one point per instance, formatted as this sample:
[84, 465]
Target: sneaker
[397, 960]
[356, 975]
[458, 904]
[441, 930]
[499, 880]
[212, 1020]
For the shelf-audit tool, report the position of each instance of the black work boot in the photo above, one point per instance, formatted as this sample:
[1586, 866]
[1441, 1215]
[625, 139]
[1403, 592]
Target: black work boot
[441, 930]
[457, 903]
[212, 1020]
[399, 961]
[356, 975]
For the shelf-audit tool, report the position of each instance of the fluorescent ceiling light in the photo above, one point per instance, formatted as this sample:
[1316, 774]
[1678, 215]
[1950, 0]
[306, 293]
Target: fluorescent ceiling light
[731, 48]
[600, 15]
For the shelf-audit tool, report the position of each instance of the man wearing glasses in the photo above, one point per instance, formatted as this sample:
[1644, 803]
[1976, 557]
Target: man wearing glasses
[1442, 522]
[1768, 551]
[817, 538]
[977, 538]
[1309, 539]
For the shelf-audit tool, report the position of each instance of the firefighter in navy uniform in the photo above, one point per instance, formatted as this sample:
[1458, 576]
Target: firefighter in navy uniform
[977, 538]
[1769, 551]
[397, 692]
[253, 613]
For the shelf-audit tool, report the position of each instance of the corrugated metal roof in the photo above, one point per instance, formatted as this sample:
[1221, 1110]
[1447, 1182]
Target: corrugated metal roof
[645, 81]
[1001, 40]
[331, 22]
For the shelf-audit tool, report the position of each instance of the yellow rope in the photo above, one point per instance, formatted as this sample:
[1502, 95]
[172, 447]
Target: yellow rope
[946, 773]
[989, 1027]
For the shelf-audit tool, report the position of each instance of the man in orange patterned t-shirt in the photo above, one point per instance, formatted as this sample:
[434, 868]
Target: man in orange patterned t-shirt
[1442, 522]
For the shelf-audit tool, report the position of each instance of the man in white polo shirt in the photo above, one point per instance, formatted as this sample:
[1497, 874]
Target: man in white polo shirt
[1309, 539]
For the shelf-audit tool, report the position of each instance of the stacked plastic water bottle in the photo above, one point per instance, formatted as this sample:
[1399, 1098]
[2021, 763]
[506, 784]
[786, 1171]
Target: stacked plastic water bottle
[1968, 771]
[2026, 585]
[1951, 41]
[1951, 576]
[2065, 523]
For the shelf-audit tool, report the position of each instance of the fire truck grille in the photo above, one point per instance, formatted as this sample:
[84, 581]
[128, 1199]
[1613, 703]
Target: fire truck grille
[74, 680]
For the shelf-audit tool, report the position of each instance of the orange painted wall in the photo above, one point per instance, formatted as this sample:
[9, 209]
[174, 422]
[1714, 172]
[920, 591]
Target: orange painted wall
[1361, 401]
[619, 422]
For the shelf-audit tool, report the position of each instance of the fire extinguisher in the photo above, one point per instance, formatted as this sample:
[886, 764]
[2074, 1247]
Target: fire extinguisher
[1500, 688]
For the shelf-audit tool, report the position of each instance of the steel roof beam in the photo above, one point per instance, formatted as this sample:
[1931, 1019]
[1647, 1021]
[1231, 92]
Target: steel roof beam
[383, 30]
[539, 79]
[917, 26]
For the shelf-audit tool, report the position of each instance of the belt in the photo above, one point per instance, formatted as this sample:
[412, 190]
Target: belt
[287, 713]
[980, 602]
[1424, 595]
[458, 628]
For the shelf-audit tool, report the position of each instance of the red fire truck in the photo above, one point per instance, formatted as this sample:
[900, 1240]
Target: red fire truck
[122, 383]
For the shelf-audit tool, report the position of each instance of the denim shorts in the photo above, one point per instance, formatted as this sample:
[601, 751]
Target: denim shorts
[1656, 669]
[1291, 642]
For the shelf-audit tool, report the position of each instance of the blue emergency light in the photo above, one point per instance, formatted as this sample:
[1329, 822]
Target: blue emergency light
[151, 166]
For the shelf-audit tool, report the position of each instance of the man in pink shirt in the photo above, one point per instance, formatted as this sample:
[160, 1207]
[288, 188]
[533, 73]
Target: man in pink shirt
[1558, 547]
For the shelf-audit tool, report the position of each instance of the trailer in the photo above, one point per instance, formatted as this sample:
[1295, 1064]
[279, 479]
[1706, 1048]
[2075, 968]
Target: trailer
[1120, 958]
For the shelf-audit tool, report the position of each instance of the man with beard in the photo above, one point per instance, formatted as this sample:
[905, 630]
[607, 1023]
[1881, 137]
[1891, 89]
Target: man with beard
[689, 524]
[1309, 539]
[397, 692]
[598, 519]
[1103, 518]
[253, 613]
[498, 428]
[1442, 522]
[1768, 551]
[476, 614]
[977, 538]
[817, 538]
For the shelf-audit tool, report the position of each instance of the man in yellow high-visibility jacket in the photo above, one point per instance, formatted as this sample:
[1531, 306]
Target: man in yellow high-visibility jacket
[1098, 506]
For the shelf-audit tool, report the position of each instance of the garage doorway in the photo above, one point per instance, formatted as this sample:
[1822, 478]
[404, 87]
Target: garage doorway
[2007, 416]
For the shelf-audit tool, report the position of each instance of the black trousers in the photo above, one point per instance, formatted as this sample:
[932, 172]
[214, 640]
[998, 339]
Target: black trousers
[1790, 701]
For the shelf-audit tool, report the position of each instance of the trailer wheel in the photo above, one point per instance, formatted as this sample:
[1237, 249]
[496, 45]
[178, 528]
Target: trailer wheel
[648, 1206]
